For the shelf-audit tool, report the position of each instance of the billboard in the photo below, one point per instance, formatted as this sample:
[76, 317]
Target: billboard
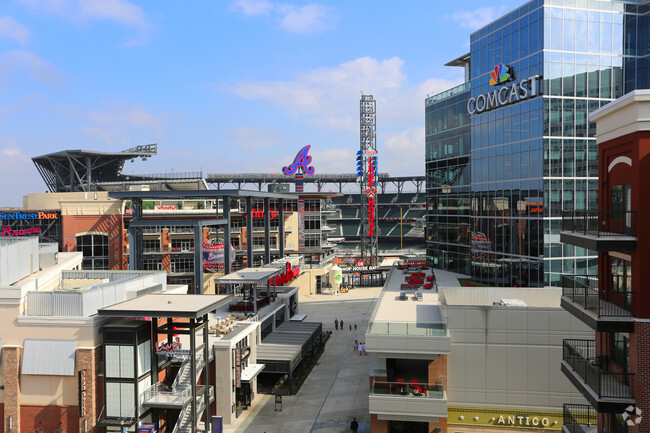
[213, 255]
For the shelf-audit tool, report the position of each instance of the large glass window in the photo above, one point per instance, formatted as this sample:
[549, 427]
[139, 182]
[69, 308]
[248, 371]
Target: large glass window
[95, 251]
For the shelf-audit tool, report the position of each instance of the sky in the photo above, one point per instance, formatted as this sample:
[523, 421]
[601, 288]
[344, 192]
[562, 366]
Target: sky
[224, 86]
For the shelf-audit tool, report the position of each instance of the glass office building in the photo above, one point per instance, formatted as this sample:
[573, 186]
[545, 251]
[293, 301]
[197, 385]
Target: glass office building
[512, 147]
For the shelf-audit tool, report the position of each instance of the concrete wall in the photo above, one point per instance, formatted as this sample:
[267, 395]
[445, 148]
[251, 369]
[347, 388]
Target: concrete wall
[509, 357]
[18, 259]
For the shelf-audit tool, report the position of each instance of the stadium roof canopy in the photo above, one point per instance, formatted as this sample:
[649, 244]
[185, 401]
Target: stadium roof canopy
[83, 170]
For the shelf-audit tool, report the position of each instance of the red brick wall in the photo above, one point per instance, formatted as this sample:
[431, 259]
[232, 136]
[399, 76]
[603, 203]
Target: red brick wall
[11, 407]
[111, 224]
[50, 418]
[377, 425]
[2, 416]
[640, 366]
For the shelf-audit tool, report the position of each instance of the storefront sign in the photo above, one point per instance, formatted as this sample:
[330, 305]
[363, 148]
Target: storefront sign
[237, 367]
[505, 418]
[245, 353]
[169, 348]
[302, 160]
[258, 213]
[213, 255]
[371, 193]
[83, 393]
[9, 231]
[28, 216]
[508, 94]
[165, 207]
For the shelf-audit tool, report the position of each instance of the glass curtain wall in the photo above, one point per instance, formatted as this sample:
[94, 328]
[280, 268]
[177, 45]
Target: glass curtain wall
[530, 157]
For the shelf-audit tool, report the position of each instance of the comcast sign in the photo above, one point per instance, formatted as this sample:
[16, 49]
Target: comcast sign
[511, 91]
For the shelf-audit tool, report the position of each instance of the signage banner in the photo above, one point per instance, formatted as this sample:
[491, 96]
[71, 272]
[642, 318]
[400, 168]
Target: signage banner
[237, 367]
[83, 393]
[528, 419]
[10, 231]
[213, 255]
[29, 216]
[508, 94]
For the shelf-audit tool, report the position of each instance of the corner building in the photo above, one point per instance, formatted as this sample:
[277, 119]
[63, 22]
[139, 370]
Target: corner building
[512, 146]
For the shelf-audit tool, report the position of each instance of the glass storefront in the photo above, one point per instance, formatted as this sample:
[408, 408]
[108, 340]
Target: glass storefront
[503, 158]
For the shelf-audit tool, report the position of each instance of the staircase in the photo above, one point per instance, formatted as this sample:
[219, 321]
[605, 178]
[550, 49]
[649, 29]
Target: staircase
[183, 381]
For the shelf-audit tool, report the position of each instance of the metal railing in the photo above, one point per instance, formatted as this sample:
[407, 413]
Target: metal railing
[159, 393]
[435, 329]
[580, 355]
[407, 389]
[580, 418]
[583, 290]
[600, 223]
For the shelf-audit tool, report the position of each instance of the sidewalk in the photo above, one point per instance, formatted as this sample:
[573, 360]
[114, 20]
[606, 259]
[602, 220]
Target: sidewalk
[337, 388]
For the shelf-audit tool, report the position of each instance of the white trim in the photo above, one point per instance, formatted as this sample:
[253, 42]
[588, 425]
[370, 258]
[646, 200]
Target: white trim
[618, 160]
[59, 321]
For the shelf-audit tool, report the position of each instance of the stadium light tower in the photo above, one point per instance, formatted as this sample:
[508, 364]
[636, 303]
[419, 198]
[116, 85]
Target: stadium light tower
[367, 178]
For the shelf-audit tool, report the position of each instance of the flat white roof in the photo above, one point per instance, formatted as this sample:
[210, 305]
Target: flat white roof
[249, 276]
[161, 305]
[482, 296]
[391, 309]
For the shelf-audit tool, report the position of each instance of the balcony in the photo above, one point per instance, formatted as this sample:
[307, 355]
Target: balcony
[158, 395]
[606, 391]
[423, 402]
[603, 310]
[599, 230]
[419, 338]
[579, 418]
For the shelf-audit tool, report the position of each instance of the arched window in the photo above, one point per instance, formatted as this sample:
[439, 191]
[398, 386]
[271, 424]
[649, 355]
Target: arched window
[95, 251]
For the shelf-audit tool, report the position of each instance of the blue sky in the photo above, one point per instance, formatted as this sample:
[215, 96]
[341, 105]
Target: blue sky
[223, 85]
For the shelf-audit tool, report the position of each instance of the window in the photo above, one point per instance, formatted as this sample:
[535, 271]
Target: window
[120, 399]
[621, 275]
[144, 358]
[151, 246]
[620, 349]
[119, 362]
[182, 264]
[150, 264]
[95, 251]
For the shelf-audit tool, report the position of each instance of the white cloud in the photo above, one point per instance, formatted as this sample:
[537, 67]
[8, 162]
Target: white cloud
[328, 99]
[122, 12]
[403, 152]
[17, 173]
[254, 138]
[306, 19]
[311, 18]
[12, 29]
[27, 62]
[252, 7]
[117, 123]
[477, 18]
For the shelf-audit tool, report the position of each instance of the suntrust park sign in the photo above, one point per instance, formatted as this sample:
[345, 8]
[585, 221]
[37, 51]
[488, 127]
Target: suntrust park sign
[28, 216]
[506, 95]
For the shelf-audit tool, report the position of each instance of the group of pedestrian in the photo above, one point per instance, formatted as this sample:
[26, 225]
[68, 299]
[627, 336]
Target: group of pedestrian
[338, 323]
[360, 347]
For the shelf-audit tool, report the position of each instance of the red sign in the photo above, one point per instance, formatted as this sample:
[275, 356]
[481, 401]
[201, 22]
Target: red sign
[169, 347]
[237, 368]
[260, 213]
[360, 263]
[8, 231]
[166, 208]
[371, 193]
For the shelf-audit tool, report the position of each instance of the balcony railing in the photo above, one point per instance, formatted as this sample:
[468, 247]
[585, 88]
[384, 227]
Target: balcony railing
[156, 394]
[412, 390]
[600, 223]
[580, 418]
[583, 290]
[407, 328]
[580, 355]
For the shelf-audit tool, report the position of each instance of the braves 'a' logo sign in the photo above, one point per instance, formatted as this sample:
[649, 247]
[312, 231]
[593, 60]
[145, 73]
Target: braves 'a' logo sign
[303, 160]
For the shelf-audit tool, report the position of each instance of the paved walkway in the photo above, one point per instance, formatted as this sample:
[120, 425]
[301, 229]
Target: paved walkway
[337, 388]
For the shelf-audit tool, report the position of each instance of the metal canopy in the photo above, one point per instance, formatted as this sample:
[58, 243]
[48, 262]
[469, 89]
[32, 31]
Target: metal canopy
[209, 193]
[172, 306]
[249, 276]
[178, 222]
[49, 357]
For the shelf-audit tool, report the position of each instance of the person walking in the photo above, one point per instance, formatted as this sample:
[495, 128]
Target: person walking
[362, 347]
[336, 324]
[354, 425]
[350, 327]
[356, 345]
[355, 326]
[341, 324]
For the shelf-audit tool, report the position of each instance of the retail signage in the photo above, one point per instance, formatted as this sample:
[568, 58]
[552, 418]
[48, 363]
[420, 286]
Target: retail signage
[83, 393]
[213, 255]
[515, 419]
[237, 367]
[10, 231]
[169, 348]
[245, 353]
[258, 213]
[520, 420]
[288, 274]
[536, 207]
[301, 161]
[508, 94]
[29, 216]
[371, 193]
[165, 207]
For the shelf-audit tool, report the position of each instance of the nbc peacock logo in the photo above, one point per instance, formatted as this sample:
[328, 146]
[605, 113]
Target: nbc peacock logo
[500, 74]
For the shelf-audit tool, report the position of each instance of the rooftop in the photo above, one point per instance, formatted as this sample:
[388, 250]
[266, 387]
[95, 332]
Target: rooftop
[157, 305]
